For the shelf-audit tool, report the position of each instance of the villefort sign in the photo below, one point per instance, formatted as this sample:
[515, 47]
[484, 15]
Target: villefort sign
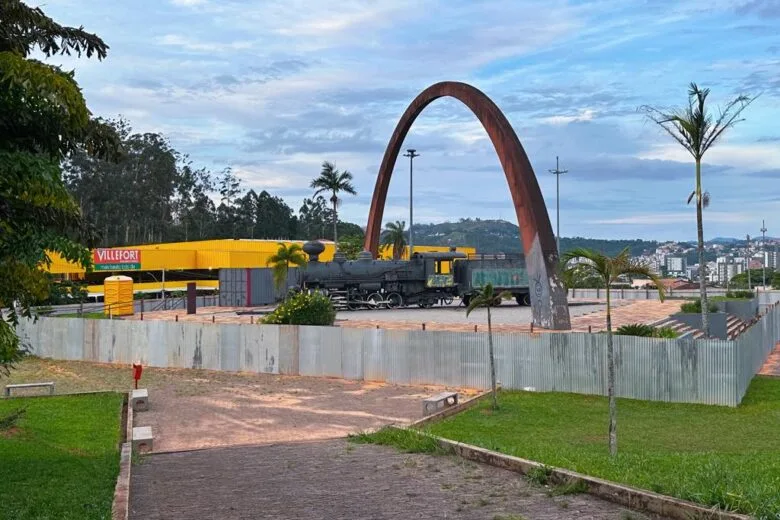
[116, 259]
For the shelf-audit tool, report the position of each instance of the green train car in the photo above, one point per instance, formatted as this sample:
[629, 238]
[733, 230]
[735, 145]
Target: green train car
[506, 273]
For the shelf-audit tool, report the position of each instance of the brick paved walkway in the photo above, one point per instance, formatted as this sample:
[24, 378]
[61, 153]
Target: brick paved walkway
[336, 480]
[772, 365]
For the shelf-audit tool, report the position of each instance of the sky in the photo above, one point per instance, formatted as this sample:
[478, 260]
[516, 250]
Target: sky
[274, 88]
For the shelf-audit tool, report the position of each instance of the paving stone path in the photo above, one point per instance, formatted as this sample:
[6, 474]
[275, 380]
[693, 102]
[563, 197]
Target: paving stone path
[772, 365]
[336, 479]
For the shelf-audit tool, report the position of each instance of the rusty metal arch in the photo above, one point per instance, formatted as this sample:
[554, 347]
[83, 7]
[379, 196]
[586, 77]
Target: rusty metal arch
[548, 297]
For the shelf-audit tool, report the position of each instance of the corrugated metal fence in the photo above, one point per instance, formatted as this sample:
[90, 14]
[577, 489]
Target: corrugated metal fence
[679, 370]
[764, 297]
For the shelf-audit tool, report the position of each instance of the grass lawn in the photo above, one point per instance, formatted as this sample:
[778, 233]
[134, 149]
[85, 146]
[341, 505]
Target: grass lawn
[719, 456]
[85, 315]
[62, 459]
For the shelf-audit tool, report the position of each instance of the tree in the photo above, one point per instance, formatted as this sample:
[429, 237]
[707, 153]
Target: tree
[487, 298]
[280, 263]
[229, 188]
[609, 269]
[312, 217]
[351, 246]
[694, 128]
[333, 181]
[395, 236]
[43, 119]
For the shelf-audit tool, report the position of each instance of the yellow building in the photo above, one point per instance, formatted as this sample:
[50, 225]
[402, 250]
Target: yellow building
[183, 262]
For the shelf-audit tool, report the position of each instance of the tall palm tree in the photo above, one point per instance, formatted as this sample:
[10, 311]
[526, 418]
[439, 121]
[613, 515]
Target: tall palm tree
[280, 263]
[333, 181]
[395, 237]
[487, 298]
[695, 128]
[608, 269]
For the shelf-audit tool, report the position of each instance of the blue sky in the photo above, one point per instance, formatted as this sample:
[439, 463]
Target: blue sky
[273, 88]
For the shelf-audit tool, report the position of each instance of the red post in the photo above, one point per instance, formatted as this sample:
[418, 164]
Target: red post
[176, 318]
[532, 327]
[137, 369]
[475, 328]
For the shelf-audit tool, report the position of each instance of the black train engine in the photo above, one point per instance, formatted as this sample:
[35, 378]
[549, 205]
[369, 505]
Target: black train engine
[423, 280]
[366, 282]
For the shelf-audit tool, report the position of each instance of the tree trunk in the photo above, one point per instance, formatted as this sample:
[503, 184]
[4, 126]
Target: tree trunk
[335, 221]
[492, 362]
[611, 382]
[705, 322]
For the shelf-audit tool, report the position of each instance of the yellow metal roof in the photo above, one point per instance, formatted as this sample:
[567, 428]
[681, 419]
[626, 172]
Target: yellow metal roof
[218, 254]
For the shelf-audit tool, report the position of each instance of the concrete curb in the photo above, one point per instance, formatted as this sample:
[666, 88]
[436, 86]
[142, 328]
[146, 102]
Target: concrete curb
[629, 497]
[452, 410]
[120, 509]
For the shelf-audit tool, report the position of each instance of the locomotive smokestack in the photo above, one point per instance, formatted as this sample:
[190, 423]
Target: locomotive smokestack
[314, 249]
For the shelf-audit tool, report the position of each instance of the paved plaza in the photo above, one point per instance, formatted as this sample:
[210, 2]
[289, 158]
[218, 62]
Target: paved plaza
[335, 480]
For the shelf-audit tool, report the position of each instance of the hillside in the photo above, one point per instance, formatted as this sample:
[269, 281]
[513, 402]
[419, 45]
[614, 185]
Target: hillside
[500, 236]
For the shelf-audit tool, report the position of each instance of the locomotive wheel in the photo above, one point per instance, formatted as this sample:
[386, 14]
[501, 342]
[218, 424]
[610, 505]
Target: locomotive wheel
[425, 304]
[466, 299]
[524, 299]
[394, 300]
[447, 300]
[375, 301]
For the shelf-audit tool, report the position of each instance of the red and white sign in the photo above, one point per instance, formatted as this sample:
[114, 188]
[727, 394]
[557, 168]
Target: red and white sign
[115, 259]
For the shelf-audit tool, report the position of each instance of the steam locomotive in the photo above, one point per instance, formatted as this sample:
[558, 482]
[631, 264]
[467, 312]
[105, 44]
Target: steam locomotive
[425, 280]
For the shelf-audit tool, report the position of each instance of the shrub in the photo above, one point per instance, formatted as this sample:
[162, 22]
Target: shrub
[694, 307]
[646, 331]
[665, 332]
[740, 295]
[635, 329]
[303, 309]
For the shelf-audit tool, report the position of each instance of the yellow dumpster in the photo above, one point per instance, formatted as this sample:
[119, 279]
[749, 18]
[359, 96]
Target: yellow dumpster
[118, 296]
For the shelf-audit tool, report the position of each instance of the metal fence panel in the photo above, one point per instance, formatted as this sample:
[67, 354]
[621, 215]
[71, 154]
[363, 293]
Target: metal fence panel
[676, 370]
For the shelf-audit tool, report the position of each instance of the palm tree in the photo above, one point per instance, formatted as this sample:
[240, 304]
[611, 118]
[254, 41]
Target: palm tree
[280, 263]
[487, 298]
[395, 237]
[608, 269]
[696, 130]
[333, 181]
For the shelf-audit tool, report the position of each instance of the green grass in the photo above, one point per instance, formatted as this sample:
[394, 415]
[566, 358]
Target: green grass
[62, 459]
[405, 440]
[718, 456]
[85, 315]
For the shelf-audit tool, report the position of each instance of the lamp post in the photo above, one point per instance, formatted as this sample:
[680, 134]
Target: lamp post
[763, 248]
[558, 172]
[411, 153]
[747, 262]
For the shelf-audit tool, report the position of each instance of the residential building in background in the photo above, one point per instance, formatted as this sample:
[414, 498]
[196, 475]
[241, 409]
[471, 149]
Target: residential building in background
[676, 266]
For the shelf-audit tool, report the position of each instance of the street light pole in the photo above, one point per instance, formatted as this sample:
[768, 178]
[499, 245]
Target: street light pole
[558, 172]
[411, 153]
[763, 248]
[747, 262]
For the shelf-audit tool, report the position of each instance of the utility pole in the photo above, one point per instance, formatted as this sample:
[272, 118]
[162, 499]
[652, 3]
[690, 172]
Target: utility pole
[558, 172]
[411, 153]
[747, 262]
[763, 248]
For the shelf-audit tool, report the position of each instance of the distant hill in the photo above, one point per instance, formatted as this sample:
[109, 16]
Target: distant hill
[500, 236]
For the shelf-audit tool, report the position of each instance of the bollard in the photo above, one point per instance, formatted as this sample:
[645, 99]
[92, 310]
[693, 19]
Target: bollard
[589, 329]
[213, 320]
[251, 320]
[475, 328]
[176, 318]
[532, 327]
[377, 327]
[142, 316]
[423, 326]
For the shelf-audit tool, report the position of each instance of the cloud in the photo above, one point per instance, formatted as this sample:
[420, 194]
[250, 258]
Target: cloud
[748, 156]
[585, 115]
[177, 40]
[673, 218]
[763, 8]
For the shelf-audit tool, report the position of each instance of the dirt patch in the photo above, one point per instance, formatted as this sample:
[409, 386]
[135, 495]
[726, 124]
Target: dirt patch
[269, 409]
[10, 433]
[190, 409]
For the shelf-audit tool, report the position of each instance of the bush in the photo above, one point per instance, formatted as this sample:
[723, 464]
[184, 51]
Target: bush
[694, 307]
[646, 331]
[740, 295]
[665, 332]
[303, 309]
[635, 329]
